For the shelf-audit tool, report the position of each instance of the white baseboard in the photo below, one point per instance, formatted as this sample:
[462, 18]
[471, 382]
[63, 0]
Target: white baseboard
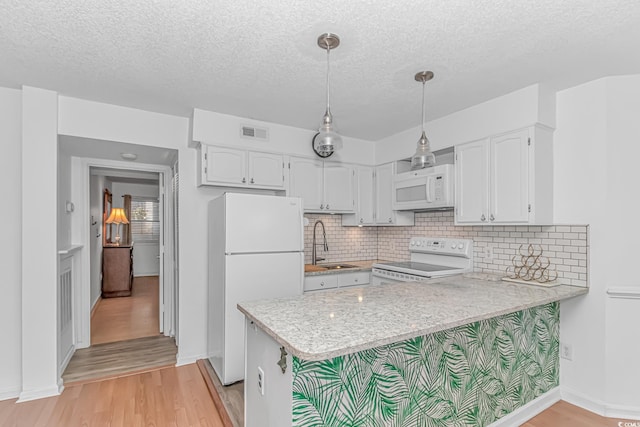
[528, 411]
[28, 395]
[9, 393]
[600, 407]
[187, 360]
[585, 402]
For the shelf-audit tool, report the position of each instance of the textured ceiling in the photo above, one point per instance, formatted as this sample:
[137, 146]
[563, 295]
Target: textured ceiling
[259, 59]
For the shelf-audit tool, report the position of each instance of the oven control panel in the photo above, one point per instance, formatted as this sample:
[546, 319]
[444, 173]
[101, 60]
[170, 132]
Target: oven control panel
[443, 246]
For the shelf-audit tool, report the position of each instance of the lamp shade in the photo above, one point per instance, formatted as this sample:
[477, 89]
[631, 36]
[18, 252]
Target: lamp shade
[117, 216]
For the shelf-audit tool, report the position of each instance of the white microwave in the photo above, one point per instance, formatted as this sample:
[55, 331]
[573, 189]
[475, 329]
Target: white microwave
[429, 188]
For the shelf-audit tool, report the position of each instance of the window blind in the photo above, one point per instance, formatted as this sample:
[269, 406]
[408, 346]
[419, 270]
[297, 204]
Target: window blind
[145, 219]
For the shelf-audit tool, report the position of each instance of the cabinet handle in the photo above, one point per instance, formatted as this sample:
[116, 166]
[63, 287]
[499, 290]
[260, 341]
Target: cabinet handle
[244, 180]
[327, 206]
[361, 220]
[355, 280]
[491, 218]
[321, 283]
[321, 205]
[390, 221]
[252, 180]
[483, 218]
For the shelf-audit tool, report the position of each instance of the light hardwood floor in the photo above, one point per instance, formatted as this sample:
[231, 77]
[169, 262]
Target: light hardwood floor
[114, 359]
[563, 414]
[125, 318]
[125, 337]
[164, 397]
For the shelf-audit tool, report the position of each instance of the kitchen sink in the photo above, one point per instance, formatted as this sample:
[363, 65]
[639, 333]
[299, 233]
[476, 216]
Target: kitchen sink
[337, 266]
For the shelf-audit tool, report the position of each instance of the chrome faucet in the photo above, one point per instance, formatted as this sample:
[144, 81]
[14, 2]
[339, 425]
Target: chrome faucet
[314, 258]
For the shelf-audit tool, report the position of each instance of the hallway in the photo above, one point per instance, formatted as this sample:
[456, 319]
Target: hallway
[125, 337]
[125, 318]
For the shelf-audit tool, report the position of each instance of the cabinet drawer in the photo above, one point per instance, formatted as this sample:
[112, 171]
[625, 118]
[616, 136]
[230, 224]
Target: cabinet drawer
[314, 283]
[353, 279]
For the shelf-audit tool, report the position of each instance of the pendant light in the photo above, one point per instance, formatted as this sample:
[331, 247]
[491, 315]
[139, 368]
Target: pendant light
[327, 140]
[423, 158]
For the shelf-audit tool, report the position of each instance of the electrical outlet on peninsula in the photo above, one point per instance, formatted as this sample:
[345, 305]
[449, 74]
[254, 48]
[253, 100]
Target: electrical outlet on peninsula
[488, 252]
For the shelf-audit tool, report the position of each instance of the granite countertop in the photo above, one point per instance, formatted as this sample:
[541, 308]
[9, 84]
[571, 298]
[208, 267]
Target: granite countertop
[316, 270]
[324, 325]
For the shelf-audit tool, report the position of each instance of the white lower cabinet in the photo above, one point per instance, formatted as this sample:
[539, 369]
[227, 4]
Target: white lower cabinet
[323, 281]
[505, 179]
[333, 281]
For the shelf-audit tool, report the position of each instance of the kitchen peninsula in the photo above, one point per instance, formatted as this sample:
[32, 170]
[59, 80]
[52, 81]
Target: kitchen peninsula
[452, 351]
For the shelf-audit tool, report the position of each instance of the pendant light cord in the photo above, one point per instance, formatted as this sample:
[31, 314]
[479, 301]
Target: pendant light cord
[328, 81]
[423, 118]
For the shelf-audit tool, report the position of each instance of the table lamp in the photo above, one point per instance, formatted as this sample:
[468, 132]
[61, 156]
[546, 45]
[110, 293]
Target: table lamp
[117, 217]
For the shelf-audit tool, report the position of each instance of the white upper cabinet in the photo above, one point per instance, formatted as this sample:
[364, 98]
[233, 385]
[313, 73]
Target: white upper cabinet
[373, 188]
[324, 187]
[305, 180]
[384, 213]
[232, 167]
[365, 201]
[505, 179]
[266, 169]
[338, 187]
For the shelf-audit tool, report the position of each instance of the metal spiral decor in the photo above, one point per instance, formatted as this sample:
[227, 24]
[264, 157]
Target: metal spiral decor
[532, 266]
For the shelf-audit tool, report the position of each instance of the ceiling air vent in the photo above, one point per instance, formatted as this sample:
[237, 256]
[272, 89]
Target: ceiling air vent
[253, 132]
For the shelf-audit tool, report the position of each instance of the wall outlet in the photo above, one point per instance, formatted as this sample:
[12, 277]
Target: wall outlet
[261, 380]
[488, 252]
[566, 351]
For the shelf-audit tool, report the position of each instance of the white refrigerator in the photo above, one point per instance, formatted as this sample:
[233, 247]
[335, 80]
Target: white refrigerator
[256, 246]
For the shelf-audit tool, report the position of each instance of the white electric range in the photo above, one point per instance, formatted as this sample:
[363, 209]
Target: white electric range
[431, 257]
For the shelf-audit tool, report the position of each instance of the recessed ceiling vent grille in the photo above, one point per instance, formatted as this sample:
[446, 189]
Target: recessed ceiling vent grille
[252, 132]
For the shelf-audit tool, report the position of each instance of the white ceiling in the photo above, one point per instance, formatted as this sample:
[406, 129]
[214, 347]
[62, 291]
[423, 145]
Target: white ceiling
[259, 59]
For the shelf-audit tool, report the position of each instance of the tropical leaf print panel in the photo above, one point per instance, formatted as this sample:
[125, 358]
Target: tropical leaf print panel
[466, 376]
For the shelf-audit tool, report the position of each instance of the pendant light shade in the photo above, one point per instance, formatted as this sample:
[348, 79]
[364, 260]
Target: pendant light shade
[327, 141]
[423, 157]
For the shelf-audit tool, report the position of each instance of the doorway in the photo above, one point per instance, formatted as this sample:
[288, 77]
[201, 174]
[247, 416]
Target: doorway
[136, 327]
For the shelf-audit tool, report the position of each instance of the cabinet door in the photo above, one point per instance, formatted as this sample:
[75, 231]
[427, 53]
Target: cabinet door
[266, 170]
[338, 188]
[472, 182]
[225, 166]
[305, 180]
[510, 178]
[384, 194]
[365, 199]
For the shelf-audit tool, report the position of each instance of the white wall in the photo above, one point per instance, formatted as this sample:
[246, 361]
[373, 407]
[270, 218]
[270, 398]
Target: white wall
[11, 249]
[145, 255]
[39, 243]
[64, 195]
[596, 177]
[524, 107]
[216, 128]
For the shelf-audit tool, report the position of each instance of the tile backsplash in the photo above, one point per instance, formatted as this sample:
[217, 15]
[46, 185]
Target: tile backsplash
[566, 246]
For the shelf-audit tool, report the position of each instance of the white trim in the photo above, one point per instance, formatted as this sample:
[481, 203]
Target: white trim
[188, 360]
[26, 396]
[530, 410]
[81, 192]
[583, 401]
[622, 411]
[9, 393]
[625, 293]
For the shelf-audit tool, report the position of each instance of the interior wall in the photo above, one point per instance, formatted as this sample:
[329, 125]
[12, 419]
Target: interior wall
[39, 243]
[64, 195]
[595, 151]
[515, 110]
[10, 250]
